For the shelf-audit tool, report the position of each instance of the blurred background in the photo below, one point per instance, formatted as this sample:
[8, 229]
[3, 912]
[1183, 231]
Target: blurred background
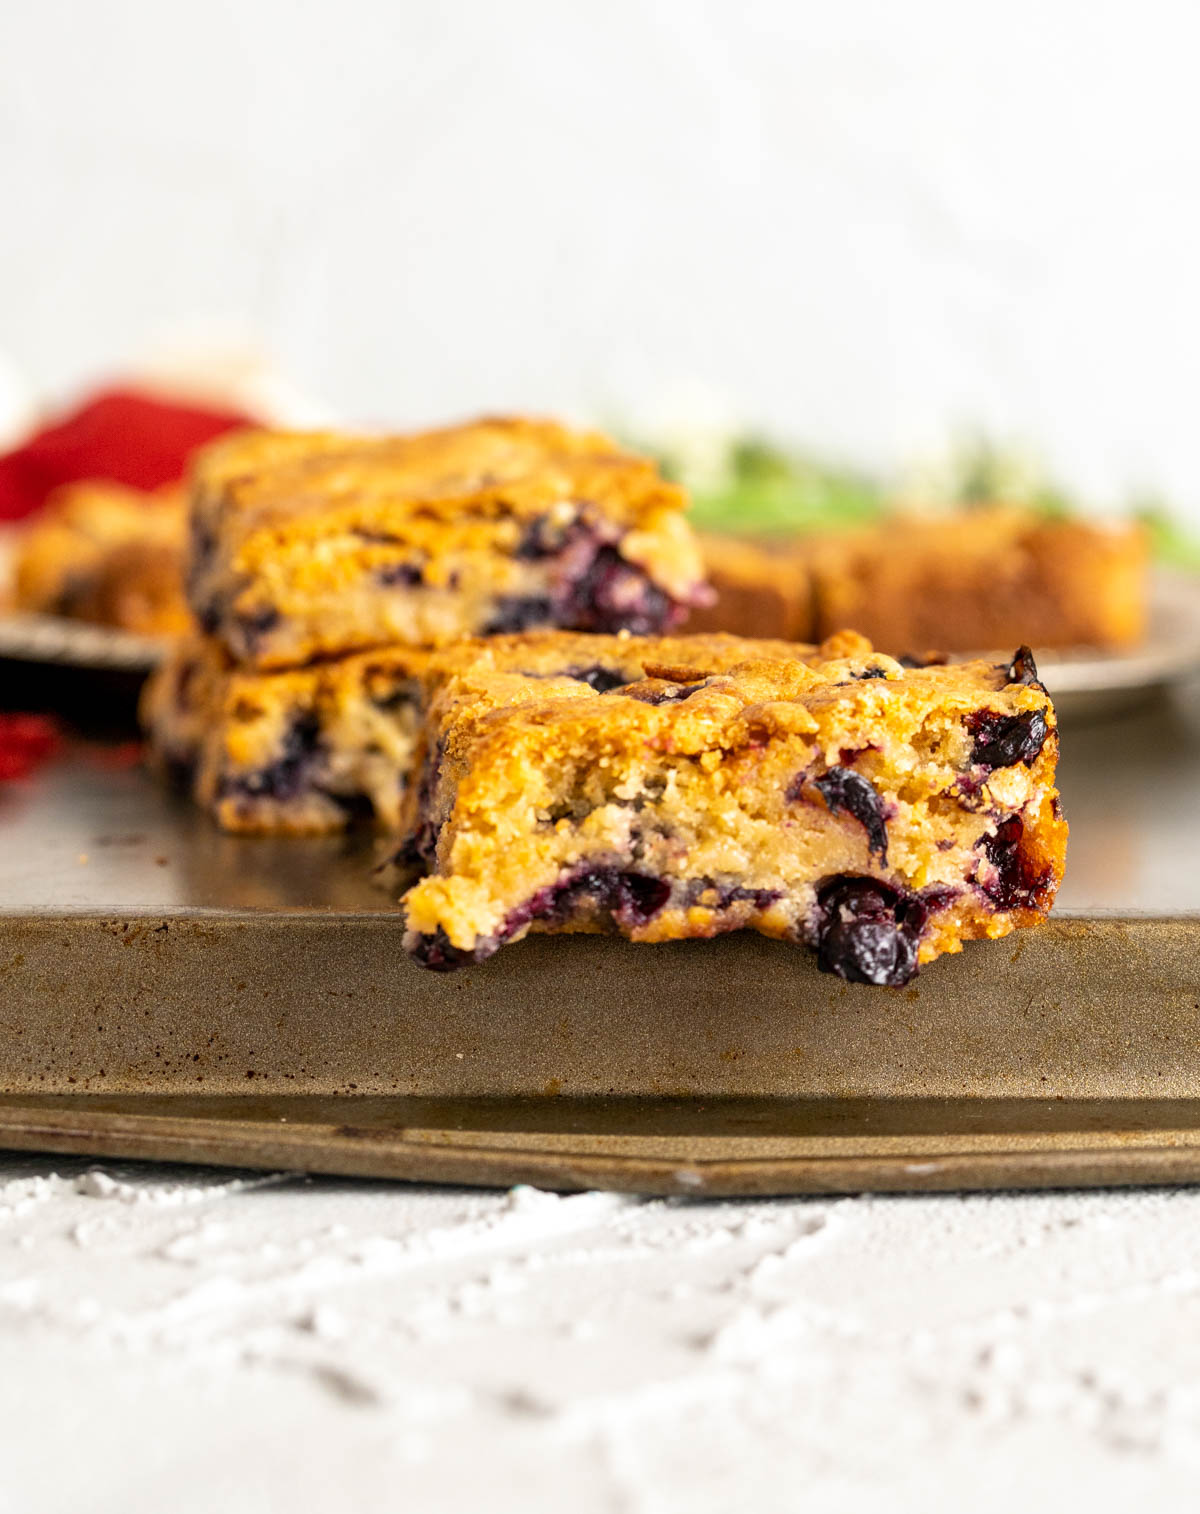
[867, 229]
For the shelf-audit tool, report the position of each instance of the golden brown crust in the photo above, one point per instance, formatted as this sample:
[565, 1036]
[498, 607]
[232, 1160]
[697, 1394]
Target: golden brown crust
[316, 480]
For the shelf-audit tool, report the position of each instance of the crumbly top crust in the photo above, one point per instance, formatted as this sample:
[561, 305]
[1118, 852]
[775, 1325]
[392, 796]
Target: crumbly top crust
[320, 481]
[544, 652]
[289, 505]
[701, 694]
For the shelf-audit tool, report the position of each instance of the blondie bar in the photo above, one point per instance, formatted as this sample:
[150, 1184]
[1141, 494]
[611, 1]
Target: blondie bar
[877, 813]
[103, 553]
[984, 578]
[294, 753]
[967, 582]
[315, 545]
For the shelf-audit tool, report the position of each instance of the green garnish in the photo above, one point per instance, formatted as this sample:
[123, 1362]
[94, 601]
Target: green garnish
[750, 485]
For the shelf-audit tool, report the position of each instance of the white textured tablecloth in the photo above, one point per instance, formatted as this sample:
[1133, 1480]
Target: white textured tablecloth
[175, 1340]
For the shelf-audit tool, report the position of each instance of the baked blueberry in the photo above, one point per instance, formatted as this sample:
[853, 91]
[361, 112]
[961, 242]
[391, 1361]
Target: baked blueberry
[843, 789]
[603, 680]
[1023, 669]
[868, 931]
[1003, 740]
[517, 612]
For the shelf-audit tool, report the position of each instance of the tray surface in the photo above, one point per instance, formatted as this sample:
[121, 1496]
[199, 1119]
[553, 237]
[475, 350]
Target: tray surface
[169, 991]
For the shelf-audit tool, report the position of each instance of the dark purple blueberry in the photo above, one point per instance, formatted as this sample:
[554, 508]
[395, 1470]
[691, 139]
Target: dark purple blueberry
[870, 673]
[400, 574]
[422, 845]
[640, 897]
[926, 660]
[1023, 669]
[843, 789]
[868, 931]
[937, 897]
[631, 898]
[549, 904]
[603, 680]
[1013, 880]
[438, 954]
[289, 774]
[595, 589]
[545, 537]
[614, 595]
[867, 950]
[1001, 741]
[519, 612]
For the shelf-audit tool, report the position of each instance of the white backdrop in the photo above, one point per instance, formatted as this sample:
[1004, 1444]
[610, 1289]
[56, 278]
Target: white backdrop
[860, 225]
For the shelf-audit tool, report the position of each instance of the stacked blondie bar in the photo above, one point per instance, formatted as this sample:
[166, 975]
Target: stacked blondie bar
[464, 637]
[324, 569]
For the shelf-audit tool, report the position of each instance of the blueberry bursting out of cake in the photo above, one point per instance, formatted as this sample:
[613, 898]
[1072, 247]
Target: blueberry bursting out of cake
[590, 586]
[877, 814]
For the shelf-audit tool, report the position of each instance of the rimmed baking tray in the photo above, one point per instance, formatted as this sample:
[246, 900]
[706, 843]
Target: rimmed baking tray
[169, 992]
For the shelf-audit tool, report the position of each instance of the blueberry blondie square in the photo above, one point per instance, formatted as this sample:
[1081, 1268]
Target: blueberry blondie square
[877, 813]
[965, 582]
[984, 578]
[312, 545]
[301, 752]
[103, 553]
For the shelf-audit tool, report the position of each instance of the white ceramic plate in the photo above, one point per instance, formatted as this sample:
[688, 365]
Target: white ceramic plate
[76, 643]
[1084, 681]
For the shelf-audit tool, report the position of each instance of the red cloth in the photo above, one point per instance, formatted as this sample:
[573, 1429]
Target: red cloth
[26, 741]
[119, 434]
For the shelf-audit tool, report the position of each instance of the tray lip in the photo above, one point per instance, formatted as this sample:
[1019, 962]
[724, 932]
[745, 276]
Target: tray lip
[161, 1137]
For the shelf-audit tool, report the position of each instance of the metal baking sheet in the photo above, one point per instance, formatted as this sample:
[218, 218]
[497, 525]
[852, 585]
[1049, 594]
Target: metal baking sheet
[170, 992]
